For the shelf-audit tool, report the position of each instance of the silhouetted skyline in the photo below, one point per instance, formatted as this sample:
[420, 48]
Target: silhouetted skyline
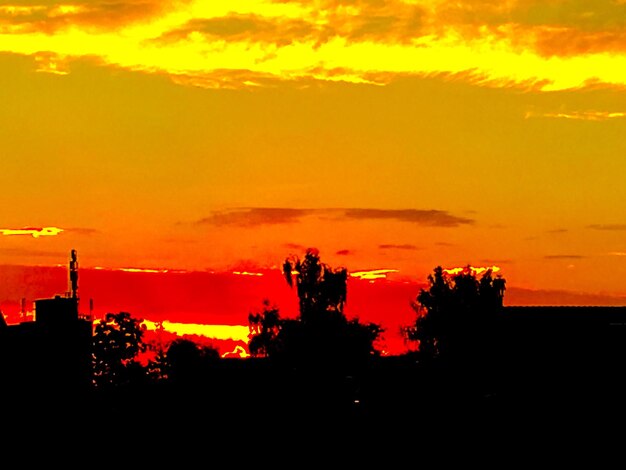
[475, 358]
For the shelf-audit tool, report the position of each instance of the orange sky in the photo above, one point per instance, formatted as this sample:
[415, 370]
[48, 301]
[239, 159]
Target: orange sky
[395, 135]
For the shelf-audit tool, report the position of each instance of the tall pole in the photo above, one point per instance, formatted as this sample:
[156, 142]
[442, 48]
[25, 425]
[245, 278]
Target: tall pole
[74, 275]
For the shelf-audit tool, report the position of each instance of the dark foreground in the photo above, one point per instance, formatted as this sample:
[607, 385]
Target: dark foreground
[394, 406]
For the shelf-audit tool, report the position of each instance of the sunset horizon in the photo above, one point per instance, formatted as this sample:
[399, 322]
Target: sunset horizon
[266, 221]
[179, 144]
[212, 307]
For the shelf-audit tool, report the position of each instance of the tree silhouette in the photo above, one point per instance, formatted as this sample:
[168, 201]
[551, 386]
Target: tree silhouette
[322, 291]
[157, 364]
[117, 341]
[322, 335]
[187, 362]
[457, 314]
[264, 328]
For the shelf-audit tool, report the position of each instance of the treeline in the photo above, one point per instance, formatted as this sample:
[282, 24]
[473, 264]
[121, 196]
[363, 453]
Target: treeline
[453, 319]
[319, 364]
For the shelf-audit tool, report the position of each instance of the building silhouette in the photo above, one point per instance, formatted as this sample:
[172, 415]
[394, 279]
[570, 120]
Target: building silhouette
[50, 355]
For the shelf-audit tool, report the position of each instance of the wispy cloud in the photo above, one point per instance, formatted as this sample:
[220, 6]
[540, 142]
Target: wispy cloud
[564, 257]
[256, 216]
[547, 45]
[435, 218]
[34, 232]
[578, 115]
[617, 253]
[242, 27]
[608, 227]
[247, 273]
[141, 270]
[373, 274]
[344, 252]
[391, 246]
[54, 17]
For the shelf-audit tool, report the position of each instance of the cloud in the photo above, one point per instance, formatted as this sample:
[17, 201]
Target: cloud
[564, 257]
[237, 27]
[433, 218]
[557, 231]
[52, 17]
[140, 270]
[523, 43]
[372, 274]
[344, 252]
[257, 216]
[608, 227]
[570, 42]
[391, 246]
[49, 62]
[34, 232]
[617, 253]
[578, 115]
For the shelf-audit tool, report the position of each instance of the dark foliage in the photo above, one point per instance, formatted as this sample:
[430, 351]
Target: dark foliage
[457, 314]
[322, 336]
[264, 328]
[117, 341]
[187, 362]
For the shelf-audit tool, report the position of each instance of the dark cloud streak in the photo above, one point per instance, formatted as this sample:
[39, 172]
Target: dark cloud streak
[432, 217]
[257, 216]
[252, 217]
[391, 246]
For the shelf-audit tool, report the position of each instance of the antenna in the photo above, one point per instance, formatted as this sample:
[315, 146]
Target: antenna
[74, 275]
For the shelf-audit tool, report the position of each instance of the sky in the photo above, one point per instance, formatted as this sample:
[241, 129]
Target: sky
[398, 135]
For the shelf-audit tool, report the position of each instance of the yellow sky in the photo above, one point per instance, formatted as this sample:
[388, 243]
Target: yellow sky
[391, 134]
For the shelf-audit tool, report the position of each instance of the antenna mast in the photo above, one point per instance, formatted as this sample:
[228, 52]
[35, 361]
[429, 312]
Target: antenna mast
[74, 275]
